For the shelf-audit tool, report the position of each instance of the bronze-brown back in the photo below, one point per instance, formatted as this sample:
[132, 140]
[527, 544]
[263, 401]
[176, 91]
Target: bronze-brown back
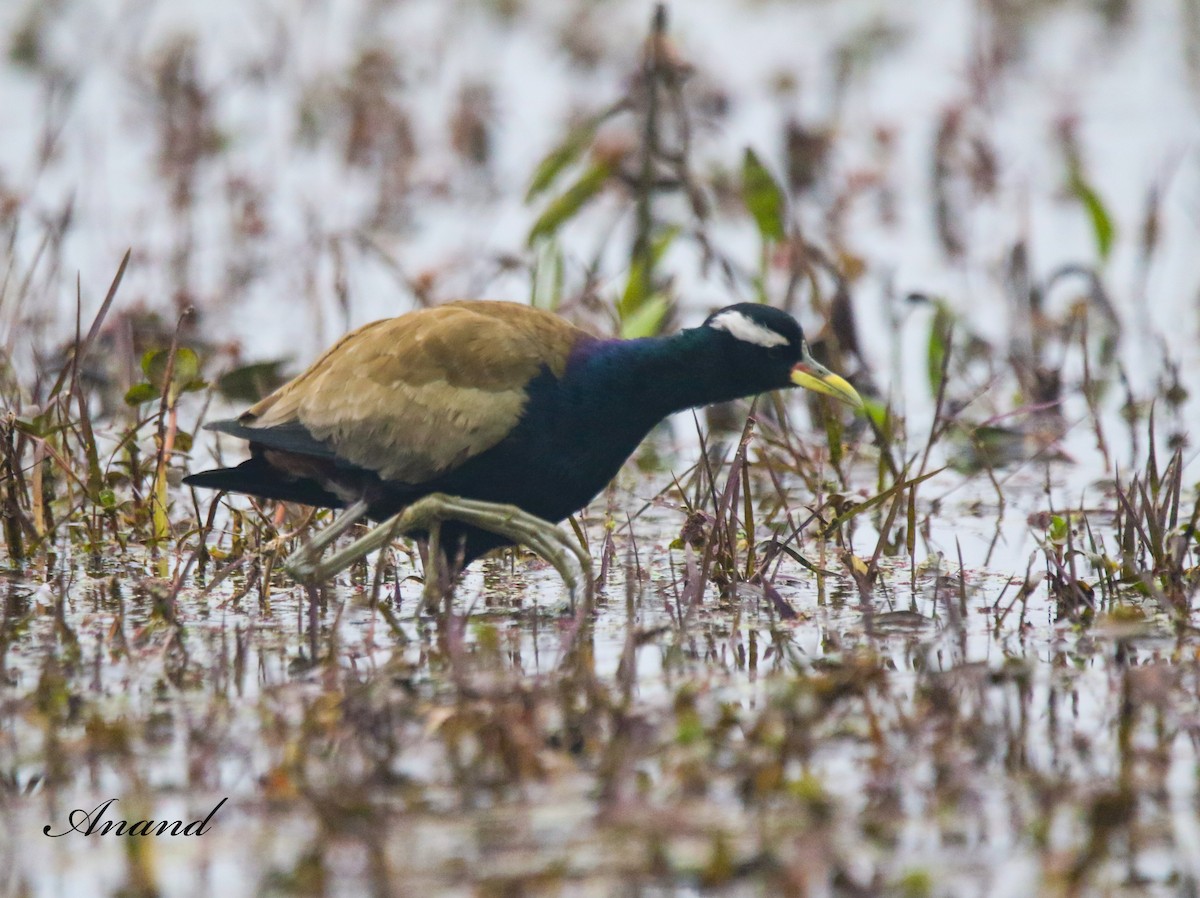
[415, 396]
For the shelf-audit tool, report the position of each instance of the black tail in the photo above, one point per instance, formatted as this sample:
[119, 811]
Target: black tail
[257, 478]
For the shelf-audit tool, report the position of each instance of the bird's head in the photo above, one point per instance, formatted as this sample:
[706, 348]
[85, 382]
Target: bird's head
[767, 348]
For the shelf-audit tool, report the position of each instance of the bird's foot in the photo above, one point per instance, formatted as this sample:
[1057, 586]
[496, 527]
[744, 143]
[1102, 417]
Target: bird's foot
[427, 514]
[305, 563]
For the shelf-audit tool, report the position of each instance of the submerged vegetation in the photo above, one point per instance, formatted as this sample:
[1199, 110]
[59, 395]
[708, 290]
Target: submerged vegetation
[944, 648]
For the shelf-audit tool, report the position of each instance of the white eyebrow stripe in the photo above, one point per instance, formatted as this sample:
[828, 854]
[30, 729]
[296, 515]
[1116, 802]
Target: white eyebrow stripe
[747, 331]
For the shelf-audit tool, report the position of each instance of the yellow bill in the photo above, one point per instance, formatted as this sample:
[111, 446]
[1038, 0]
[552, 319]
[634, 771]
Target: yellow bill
[811, 375]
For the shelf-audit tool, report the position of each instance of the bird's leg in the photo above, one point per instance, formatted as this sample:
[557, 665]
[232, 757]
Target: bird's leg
[304, 561]
[506, 520]
[433, 568]
[555, 547]
[522, 527]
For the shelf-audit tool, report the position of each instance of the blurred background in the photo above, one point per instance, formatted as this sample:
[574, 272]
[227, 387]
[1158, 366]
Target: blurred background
[288, 170]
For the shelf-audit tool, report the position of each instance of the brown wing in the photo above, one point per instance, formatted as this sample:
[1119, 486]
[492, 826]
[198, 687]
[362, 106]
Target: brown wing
[413, 397]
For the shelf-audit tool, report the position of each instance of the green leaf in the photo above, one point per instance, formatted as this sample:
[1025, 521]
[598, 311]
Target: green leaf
[689, 728]
[140, 393]
[939, 337]
[916, 884]
[763, 197]
[37, 426]
[549, 277]
[571, 201]
[834, 431]
[647, 320]
[251, 383]
[877, 412]
[635, 291]
[185, 372]
[150, 360]
[1103, 228]
[875, 500]
[563, 155]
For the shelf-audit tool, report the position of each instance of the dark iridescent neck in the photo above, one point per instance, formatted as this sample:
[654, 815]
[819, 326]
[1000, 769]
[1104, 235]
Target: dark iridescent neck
[655, 376]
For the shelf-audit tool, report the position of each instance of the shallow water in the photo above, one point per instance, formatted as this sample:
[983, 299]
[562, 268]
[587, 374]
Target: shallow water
[928, 743]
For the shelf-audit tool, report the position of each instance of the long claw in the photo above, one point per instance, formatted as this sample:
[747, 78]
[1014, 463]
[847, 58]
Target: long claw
[302, 563]
[518, 525]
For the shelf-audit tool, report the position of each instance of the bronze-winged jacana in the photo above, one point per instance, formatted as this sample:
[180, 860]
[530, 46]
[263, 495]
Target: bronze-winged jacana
[494, 402]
